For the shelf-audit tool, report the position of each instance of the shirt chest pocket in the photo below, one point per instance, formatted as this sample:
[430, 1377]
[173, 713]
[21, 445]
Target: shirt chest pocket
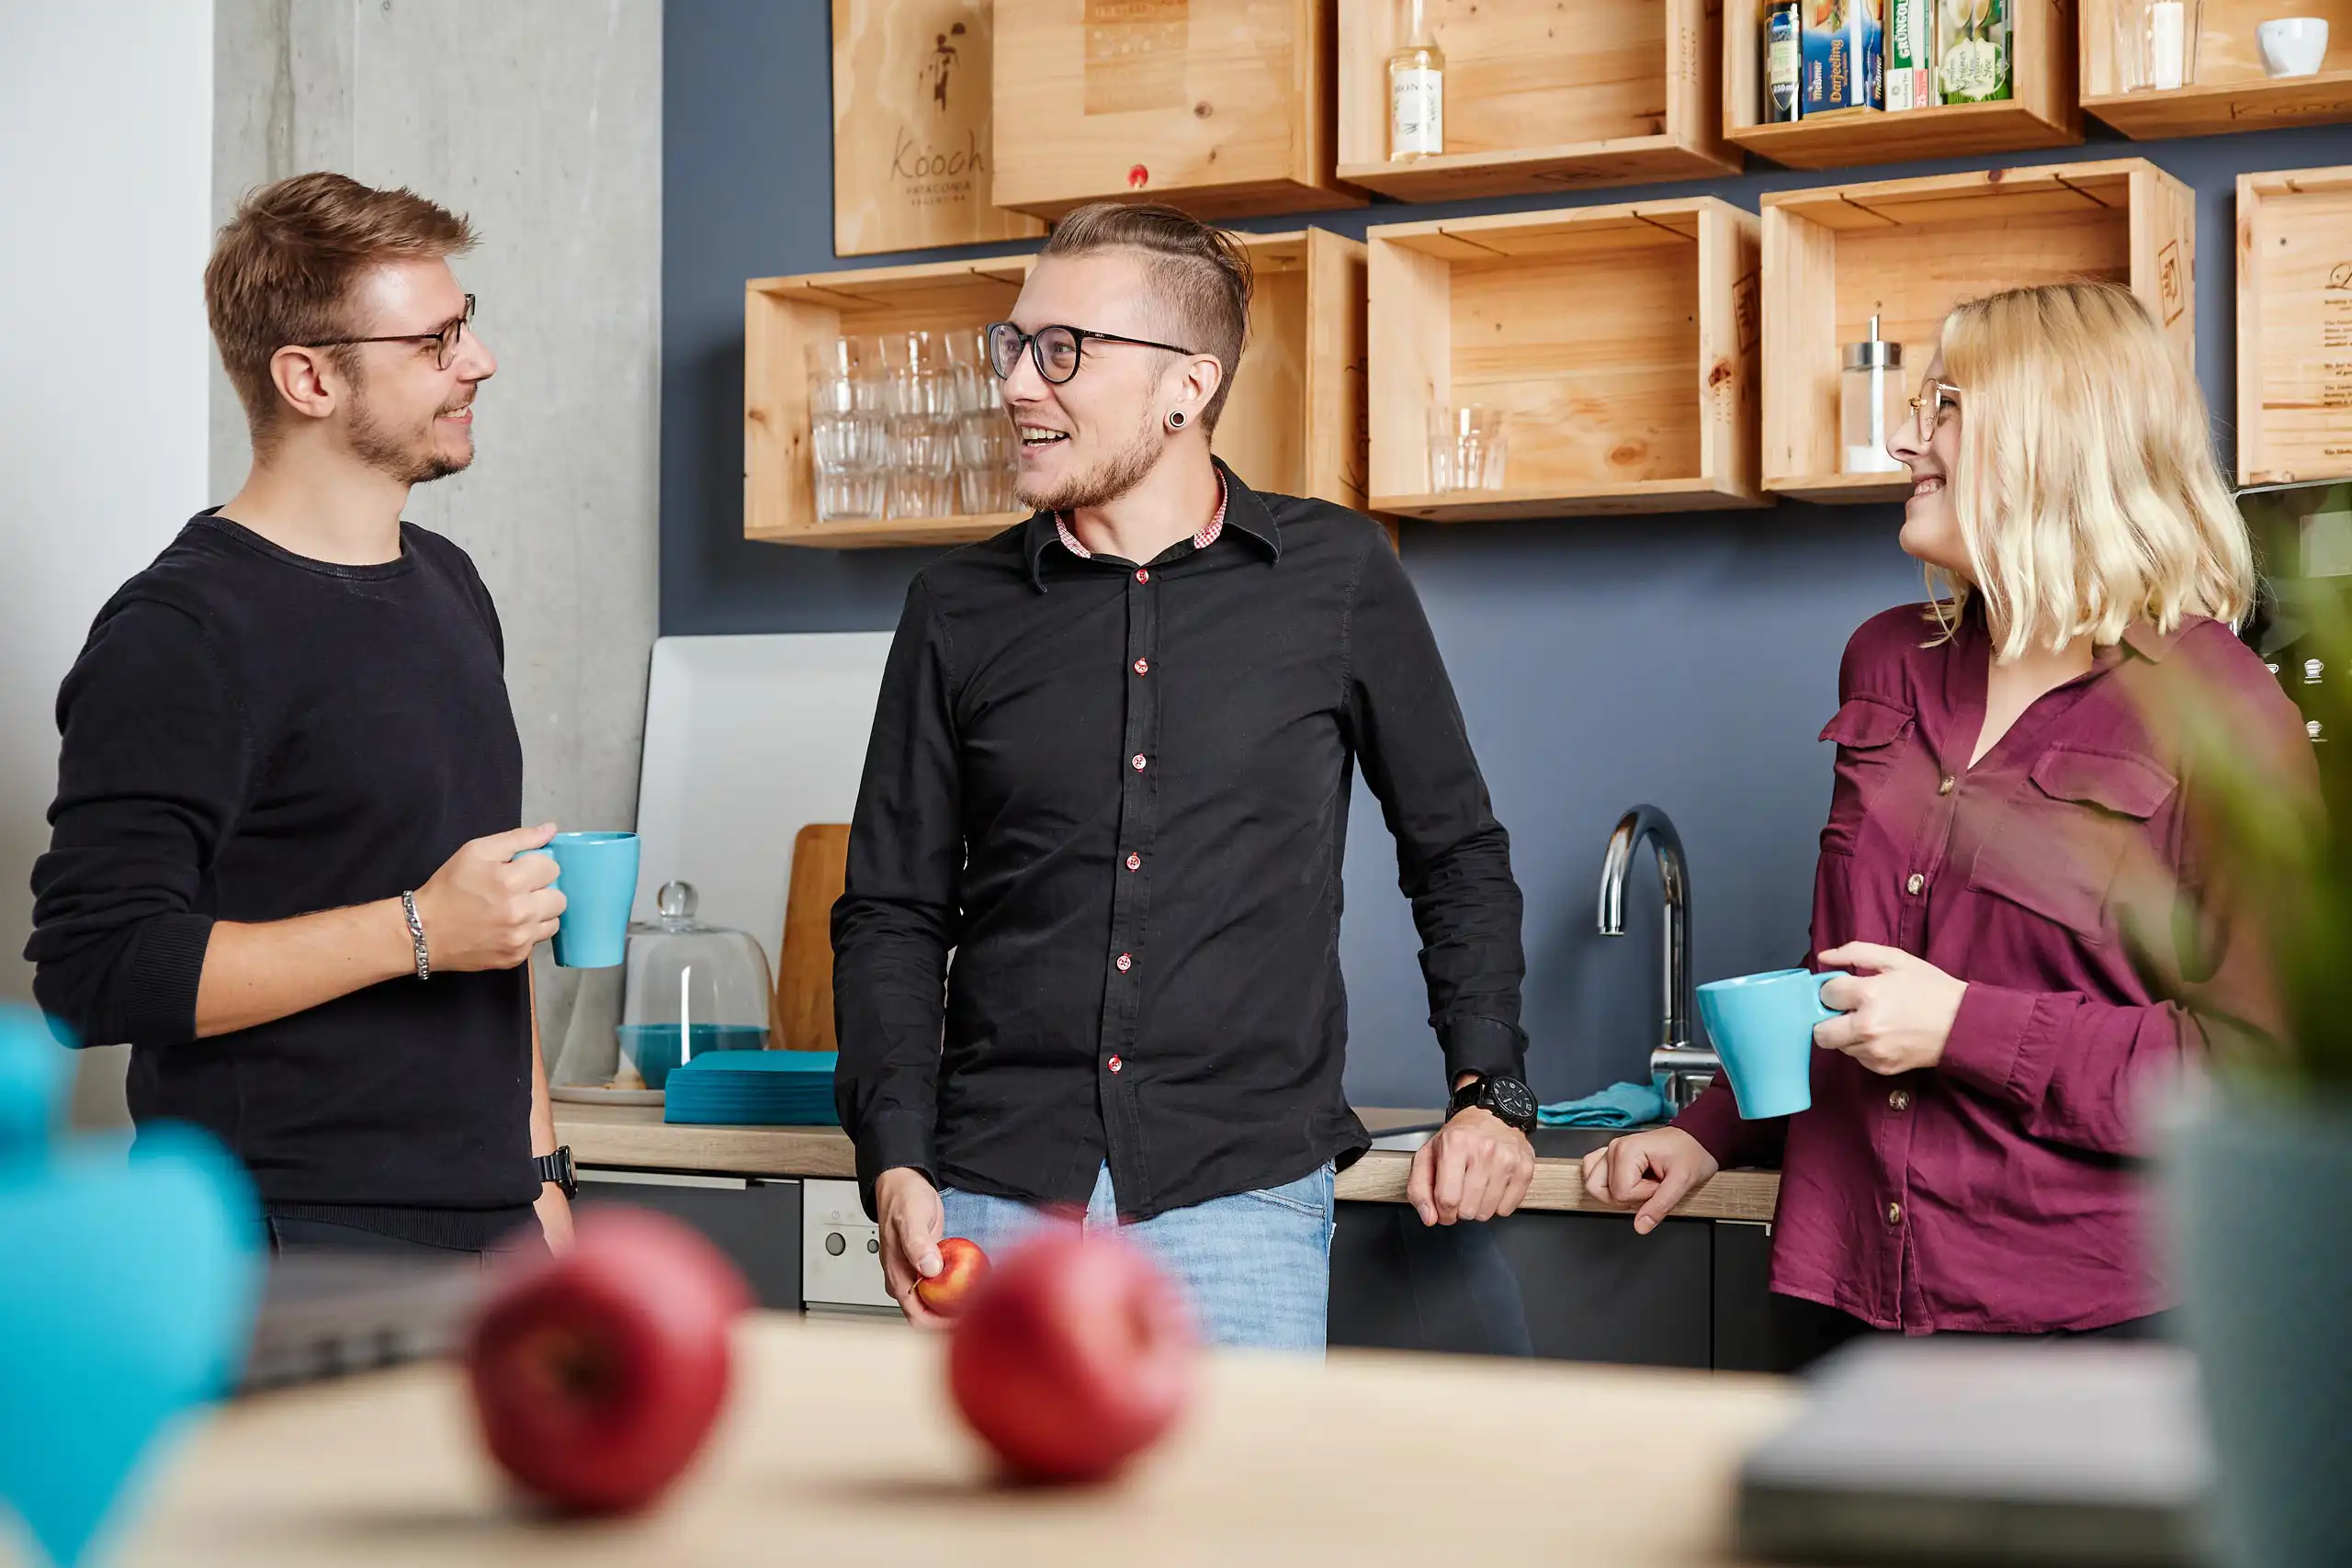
[1871, 737]
[2065, 831]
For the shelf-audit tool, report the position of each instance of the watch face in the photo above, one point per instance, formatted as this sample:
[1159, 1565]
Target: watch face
[1510, 1100]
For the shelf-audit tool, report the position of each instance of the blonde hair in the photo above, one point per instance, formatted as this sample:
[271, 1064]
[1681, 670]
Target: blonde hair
[2087, 491]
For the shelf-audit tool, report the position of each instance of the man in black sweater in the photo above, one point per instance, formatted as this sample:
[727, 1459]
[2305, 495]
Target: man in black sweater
[281, 865]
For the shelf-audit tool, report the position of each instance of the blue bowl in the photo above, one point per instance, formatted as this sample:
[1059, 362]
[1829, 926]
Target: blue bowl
[654, 1046]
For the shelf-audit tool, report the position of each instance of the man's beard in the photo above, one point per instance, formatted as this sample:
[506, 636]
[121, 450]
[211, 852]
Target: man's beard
[412, 460]
[1106, 481]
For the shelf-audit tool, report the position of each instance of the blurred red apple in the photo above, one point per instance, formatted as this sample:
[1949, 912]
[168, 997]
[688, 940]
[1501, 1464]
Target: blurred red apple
[1078, 1356]
[597, 1375]
[962, 1267]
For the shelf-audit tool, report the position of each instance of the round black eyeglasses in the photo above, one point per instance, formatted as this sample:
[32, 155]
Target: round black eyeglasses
[1056, 350]
[446, 334]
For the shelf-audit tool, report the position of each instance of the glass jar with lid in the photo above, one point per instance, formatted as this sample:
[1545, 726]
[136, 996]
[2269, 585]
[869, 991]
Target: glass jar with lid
[688, 988]
[1871, 398]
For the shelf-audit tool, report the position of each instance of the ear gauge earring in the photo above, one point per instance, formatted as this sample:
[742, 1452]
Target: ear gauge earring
[1176, 420]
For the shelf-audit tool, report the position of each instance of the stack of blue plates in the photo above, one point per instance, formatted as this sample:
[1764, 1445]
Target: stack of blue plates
[792, 1088]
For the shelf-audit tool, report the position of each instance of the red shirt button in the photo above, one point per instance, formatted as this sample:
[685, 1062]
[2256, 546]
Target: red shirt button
[1142, 576]
[1135, 862]
[1143, 666]
[1127, 962]
[1114, 1064]
[1137, 762]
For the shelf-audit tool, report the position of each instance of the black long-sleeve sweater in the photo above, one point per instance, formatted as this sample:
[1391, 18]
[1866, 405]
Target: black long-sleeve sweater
[248, 736]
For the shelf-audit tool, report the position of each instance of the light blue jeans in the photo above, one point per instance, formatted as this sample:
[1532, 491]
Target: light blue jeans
[1256, 1267]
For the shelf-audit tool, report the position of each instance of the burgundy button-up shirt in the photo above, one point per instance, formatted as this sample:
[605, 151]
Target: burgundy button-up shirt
[1992, 1192]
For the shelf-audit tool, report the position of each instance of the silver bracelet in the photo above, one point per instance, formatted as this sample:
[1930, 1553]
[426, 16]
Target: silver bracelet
[416, 937]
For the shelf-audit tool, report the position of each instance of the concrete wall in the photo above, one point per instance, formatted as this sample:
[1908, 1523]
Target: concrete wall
[541, 120]
[104, 113]
[1687, 660]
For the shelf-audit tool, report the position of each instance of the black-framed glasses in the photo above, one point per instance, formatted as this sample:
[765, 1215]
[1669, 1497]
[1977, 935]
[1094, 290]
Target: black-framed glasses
[1057, 350]
[446, 334]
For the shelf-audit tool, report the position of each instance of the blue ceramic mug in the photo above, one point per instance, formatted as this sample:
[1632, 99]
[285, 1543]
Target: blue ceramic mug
[1762, 1028]
[596, 874]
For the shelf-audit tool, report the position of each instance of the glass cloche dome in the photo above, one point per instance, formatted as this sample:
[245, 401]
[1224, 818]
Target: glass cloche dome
[688, 988]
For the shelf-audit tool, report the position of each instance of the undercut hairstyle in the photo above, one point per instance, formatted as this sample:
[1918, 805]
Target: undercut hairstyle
[1199, 275]
[282, 271]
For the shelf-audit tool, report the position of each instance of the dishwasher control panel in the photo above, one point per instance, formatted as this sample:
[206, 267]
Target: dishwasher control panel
[840, 1252]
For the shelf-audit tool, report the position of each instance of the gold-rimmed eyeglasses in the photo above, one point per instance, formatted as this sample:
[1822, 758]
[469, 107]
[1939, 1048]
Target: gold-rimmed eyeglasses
[447, 336]
[1927, 407]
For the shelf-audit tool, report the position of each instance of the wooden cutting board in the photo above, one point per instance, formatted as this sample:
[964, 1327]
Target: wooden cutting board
[802, 1016]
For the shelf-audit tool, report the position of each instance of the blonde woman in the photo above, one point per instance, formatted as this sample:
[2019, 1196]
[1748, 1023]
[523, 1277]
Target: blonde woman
[2004, 778]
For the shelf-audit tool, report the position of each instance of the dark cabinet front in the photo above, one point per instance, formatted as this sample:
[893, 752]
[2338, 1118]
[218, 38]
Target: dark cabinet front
[755, 1224]
[1575, 1287]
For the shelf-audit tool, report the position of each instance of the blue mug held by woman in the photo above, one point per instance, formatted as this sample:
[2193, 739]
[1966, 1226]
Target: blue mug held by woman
[1762, 1028]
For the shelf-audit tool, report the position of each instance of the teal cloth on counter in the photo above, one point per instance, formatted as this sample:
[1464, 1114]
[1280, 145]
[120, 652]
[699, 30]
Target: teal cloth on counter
[1619, 1105]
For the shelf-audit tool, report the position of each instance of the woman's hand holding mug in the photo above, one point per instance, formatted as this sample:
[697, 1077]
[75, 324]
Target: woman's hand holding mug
[1894, 1018]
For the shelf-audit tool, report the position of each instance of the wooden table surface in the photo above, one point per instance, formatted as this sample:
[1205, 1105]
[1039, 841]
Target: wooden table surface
[637, 1137]
[839, 1446]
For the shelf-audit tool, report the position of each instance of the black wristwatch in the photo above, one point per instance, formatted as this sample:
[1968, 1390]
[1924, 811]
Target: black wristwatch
[1510, 1101]
[557, 1167]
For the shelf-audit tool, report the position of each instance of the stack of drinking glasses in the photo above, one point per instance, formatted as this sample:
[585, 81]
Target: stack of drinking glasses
[907, 424]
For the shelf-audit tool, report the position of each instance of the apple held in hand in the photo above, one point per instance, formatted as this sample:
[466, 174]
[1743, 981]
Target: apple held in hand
[597, 1375]
[1078, 1356]
[962, 1267]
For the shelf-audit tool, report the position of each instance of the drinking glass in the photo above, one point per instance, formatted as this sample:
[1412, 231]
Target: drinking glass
[973, 381]
[1469, 443]
[847, 428]
[919, 397]
[2156, 43]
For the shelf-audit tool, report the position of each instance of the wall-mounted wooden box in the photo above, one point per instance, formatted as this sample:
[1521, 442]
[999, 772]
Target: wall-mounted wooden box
[2230, 91]
[1620, 341]
[781, 315]
[2039, 112]
[1542, 95]
[1221, 107]
[1909, 250]
[2295, 326]
[1293, 423]
[911, 86]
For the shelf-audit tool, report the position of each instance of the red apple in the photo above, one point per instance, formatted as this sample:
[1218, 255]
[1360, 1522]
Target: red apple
[1078, 1356]
[962, 1267]
[597, 1375]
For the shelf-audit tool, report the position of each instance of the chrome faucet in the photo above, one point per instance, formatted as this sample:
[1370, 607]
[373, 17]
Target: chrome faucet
[1680, 1069]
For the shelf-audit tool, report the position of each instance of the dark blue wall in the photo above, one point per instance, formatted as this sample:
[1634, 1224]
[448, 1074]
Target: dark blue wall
[1687, 660]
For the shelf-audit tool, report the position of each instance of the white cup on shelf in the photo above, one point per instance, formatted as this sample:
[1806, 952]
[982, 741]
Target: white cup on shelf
[2292, 46]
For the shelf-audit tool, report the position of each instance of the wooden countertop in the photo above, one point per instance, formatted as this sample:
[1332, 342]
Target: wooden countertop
[637, 1137]
[839, 1446]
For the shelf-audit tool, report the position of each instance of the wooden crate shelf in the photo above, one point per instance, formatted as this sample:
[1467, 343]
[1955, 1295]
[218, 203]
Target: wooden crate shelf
[911, 133]
[1909, 250]
[780, 316]
[2231, 93]
[2042, 111]
[2295, 326]
[1620, 341]
[1222, 107]
[1294, 423]
[1542, 95]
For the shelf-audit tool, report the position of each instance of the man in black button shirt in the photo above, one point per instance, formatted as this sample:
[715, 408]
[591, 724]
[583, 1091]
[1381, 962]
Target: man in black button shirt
[279, 865]
[1110, 771]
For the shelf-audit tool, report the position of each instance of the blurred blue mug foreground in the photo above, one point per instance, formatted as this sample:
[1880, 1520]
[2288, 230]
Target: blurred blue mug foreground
[596, 874]
[1762, 1028]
